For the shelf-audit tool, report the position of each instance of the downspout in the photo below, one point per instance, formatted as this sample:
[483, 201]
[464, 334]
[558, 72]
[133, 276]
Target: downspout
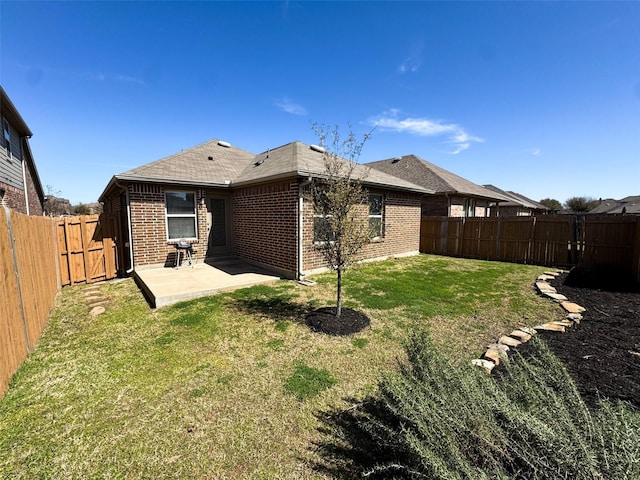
[302, 185]
[126, 190]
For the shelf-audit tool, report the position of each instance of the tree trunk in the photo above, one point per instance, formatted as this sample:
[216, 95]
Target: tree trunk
[339, 293]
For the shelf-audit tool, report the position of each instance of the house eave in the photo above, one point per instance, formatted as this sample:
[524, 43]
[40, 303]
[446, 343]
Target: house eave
[388, 186]
[164, 181]
[472, 195]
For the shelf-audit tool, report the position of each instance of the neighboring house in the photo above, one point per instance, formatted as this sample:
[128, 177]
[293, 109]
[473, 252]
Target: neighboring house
[453, 195]
[610, 206]
[517, 206]
[20, 187]
[227, 201]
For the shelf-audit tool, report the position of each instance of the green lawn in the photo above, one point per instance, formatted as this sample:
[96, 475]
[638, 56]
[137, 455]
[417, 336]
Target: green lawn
[230, 386]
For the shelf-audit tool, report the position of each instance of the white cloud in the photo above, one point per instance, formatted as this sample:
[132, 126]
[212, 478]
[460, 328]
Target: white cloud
[291, 107]
[413, 62]
[453, 133]
[536, 152]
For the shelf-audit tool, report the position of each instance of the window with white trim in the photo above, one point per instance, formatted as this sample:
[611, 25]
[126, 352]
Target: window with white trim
[181, 215]
[6, 137]
[470, 207]
[376, 216]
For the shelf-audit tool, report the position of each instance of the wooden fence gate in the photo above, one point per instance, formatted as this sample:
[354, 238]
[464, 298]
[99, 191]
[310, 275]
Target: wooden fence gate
[86, 248]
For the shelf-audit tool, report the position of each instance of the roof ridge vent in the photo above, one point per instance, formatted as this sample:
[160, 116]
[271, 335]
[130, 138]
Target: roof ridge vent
[224, 144]
[317, 148]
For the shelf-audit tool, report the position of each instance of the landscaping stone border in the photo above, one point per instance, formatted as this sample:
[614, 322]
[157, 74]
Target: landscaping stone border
[498, 351]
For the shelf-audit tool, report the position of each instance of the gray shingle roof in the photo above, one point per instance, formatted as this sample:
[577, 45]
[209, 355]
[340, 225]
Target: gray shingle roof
[630, 204]
[213, 164]
[428, 175]
[207, 164]
[299, 159]
[516, 199]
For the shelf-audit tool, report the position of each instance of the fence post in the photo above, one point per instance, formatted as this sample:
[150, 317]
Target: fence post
[444, 230]
[636, 252]
[498, 237]
[17, 273]
[531, 243]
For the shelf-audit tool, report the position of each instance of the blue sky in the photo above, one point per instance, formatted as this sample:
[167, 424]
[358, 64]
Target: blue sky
[542, 98]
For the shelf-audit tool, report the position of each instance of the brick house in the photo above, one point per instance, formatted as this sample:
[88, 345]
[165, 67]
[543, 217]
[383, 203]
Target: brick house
[517, 206]
[20, 187]
[453, 195]
[627, 205]
[230, 202]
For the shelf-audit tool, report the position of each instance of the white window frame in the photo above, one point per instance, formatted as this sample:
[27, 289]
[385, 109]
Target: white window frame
[6, 136]
[380, 216]
[168, 215]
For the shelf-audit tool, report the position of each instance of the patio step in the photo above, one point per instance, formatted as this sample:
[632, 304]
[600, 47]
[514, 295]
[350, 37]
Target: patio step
[221, 260]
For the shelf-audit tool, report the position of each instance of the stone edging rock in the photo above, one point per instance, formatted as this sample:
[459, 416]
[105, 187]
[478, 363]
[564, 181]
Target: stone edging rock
[498, 351]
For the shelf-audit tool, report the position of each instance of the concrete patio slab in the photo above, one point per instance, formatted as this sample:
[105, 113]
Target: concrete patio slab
[164, 286]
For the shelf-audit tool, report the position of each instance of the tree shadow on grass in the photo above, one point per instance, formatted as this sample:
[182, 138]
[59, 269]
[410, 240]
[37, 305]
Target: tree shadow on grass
[349, 446]
[277, 308]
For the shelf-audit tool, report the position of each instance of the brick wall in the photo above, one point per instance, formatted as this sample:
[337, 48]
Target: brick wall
[435, 206]
[148, 224]
[401, 233]
[13, 198]
[265, 224]
[482, 208]
[35, 203]
[452, 206]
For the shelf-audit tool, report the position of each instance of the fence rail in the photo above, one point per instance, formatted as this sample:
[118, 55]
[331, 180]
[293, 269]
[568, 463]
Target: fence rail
[562, 240]
[29, 274]
[39, 255]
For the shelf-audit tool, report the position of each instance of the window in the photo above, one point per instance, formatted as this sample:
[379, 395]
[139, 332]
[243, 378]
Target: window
[6, 137]
[470, 207]
[321, 229]
[181, 215]
[376, 214]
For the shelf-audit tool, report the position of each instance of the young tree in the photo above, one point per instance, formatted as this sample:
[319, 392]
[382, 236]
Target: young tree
[338, 198]
[551, 204]
[580, 204]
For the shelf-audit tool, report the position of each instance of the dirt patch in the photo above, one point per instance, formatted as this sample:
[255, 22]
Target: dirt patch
[602, 353]
[350, 321]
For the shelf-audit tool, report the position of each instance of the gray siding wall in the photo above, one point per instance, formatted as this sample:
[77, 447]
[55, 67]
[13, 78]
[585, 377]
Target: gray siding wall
[11, 165]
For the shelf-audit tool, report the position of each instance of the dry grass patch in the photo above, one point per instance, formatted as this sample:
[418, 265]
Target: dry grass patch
[200, 389]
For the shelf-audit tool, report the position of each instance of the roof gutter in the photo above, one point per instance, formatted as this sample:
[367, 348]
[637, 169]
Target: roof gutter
[170, 181]
[406, 188]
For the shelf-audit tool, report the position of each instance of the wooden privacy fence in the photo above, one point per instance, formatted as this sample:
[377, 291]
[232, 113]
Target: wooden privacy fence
[562, 240]
[38, 255]
[86, 247]
[29, 284]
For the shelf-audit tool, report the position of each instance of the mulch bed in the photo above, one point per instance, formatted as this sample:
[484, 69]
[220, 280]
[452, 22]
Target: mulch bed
[602, 353]
[350, 321]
